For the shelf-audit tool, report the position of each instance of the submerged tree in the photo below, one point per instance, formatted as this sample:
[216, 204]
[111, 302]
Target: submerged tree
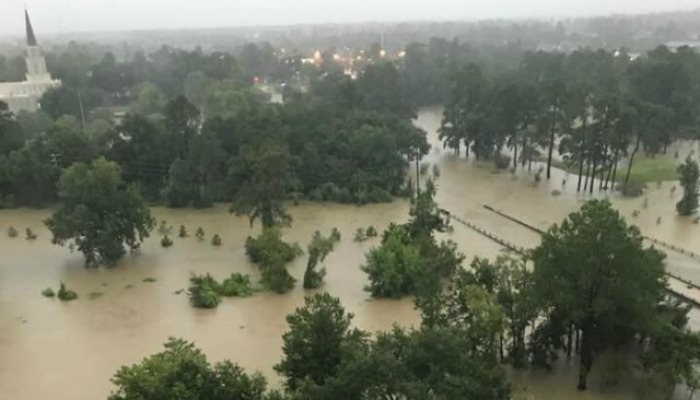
[593, 274]
[98, 214]
[689, 175]
[262, 179]
[318, 250]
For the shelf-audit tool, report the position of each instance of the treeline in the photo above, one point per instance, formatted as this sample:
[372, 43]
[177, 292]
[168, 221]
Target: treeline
[593, 107]
[345, 140]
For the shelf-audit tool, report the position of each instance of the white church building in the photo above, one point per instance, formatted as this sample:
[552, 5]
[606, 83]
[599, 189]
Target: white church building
[25, 95]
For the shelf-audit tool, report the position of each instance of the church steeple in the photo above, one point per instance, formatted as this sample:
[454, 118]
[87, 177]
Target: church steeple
[31, 39]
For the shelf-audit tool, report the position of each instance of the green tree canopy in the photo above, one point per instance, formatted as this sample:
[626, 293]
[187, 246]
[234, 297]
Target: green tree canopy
[593, 273]
[182, 372]
[98, 214]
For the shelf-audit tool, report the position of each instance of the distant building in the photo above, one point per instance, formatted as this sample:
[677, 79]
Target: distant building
[25, 95]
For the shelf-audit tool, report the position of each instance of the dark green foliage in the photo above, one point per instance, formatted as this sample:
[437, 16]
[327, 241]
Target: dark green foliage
[268, 246]
[324, 359]
[318, 250]
[592, 273]
[236, 285]
[199, 234]
[182, 371]
[166, 241]
[48, 292]
[360, 235]
[689, 173]
[203, 291]
[149, 280]
[393, 267]
[12, 232]
[183, 232]
[29, 234]
[97, 214]
[66, 294]
[371, 232]
[409, 258]
[335, 234]
[262, 180]
[272, 254]
[314, 345]
[216, 240]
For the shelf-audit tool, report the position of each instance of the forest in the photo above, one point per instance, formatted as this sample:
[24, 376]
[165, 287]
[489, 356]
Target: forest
[190, 124]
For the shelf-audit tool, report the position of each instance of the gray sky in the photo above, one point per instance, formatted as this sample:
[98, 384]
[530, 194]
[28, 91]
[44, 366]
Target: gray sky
[92, 15]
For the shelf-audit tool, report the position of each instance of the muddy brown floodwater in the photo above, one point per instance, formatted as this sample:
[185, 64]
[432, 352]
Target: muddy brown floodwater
[63, 351]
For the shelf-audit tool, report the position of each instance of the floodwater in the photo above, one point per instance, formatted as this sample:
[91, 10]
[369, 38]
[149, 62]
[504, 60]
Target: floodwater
[63, 351]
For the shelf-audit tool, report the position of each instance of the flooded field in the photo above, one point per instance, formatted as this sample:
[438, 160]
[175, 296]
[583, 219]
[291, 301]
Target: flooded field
[50, 349]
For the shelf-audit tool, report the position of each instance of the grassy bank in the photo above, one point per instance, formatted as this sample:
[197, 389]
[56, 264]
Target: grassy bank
[645, 169]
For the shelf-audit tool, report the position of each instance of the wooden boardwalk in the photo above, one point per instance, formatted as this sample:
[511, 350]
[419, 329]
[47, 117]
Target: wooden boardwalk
[679, 287]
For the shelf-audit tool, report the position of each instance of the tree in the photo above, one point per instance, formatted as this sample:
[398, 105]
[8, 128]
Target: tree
[318, 250]
[316, 341]
[65, 100]
[182, 123]
[394, 266]
[593, 273]
[261, 180]
[11, 137]
[440, 363]
[689, 175]
[98, 214]
[272, 254]
[182, 371]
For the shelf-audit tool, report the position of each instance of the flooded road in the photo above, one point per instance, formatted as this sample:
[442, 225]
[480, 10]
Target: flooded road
[63, 351]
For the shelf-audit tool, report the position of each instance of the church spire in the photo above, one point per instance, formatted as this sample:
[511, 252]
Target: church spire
[31, 39]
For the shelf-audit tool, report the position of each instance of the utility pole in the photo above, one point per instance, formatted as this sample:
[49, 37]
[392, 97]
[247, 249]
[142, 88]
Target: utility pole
[82, 111]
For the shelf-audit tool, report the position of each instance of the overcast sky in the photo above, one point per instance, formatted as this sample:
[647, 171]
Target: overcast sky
[92, 15]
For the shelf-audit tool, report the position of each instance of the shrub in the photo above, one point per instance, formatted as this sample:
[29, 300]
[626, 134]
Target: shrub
[164, 229]
[318, 250]
[360, 235]
[502, 161]
[166, 241]
[183, 231]
[237, 285]
[268, 246]
[392, 266]
[12, 232]
[149, 280]
[66, 294]
[335, 235]
[272, 254]
[216, 240]
[48, 292]
[276, 278]
[378, 195]
[30, 234]
[371, 232]
[203, 291]
[199, 234]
